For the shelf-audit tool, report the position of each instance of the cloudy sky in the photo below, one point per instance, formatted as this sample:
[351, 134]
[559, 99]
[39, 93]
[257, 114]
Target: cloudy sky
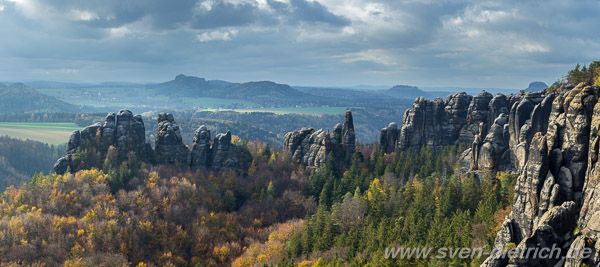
[503, 44]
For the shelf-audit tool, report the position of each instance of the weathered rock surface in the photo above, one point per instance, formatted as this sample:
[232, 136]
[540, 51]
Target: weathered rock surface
[424, 124]
[348, 135]
[123, 131]
[169, 144]
[454, 121]
[201, 154]
[555, 139]
[551, 139]
[389, 138]
[126, 133]
[312, 148]
[220, 155]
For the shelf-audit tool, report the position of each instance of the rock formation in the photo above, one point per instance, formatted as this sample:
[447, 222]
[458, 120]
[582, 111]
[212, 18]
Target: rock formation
[312, 148]
[496, 128]
[348, 136]
[123, 131]
[222, 155]
[389, 138]
[169, 144]
[551, 139]
[201, 154]
[556, 140]
[126, 133]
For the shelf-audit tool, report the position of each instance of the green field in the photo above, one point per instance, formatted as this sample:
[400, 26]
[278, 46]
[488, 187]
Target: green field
[210, 101]
[43, 125]
[47, 132]
[291, 110]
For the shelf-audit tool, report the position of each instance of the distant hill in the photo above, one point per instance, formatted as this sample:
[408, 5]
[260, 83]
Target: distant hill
[405, 91]
[257, 90]
[184, 85]
[20, 98]
[536, 87]
[263, 92]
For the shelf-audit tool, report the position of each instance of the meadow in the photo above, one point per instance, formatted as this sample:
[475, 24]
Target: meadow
[45, 132]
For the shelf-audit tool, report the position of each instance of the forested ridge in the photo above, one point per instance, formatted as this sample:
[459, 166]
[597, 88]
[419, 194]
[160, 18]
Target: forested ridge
[279, 214]
[21, 159]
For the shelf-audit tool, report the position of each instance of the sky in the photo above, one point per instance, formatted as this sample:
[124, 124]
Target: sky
[503, 44]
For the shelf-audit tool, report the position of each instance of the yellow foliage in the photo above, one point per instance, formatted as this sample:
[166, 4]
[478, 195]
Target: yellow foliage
[151, 180]
[90, 216]
[142, 264]
[146, 226]
[235, 139]
[305, 264]
[257, 254]
[222, 253]
[320, 262]
[77, 251]
[93, 177]
[75, 263]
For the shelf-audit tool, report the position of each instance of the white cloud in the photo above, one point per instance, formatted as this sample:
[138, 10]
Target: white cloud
[378, 56]
[532, 47]
[119, 31]
[60, 71]
[217, 35]
[83, 15]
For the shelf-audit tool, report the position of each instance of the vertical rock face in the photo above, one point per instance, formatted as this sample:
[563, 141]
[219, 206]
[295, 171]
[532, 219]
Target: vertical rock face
[389, 138]
[479, 113]
[126, 133]
[423, 124]
[497, 128]
[552, 139]
[312, 148]
[201, 154]
[456, 106]
[348, 135]
[221, 146]
[222, 155]
[557, 148]
[169, 144]
[494, 152]
[123, 131]
[454, 121]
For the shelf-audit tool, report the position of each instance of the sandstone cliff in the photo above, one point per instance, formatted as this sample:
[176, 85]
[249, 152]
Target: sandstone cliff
[492, 126]
[551, 139]
[123, 131]
[555, 142]
[312, 148]
[126, 133]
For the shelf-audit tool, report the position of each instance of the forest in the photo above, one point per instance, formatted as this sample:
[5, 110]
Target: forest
[278, 214]
[20, 160]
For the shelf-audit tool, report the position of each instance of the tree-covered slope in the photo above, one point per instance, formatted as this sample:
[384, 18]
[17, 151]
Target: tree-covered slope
[20, 159]
[21, 98]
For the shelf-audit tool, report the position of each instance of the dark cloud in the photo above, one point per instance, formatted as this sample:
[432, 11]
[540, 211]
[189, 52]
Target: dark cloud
[312, 12]
[329, 42]
[222, 14]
